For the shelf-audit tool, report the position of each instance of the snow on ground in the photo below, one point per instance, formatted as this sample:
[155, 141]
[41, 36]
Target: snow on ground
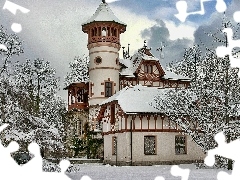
[107, 172]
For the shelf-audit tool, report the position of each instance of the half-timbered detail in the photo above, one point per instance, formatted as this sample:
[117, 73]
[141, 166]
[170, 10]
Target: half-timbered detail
[143, 68]
[129, 116]
[119, 95]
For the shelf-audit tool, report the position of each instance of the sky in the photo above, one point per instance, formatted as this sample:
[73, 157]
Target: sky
[52, 29]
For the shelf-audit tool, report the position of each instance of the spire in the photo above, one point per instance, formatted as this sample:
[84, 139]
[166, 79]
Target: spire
[104, 13]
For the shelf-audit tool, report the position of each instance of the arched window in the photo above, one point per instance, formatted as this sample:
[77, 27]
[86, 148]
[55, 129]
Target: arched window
[69, 98]
[104, 31]
[112, 33]
[145, 68]
[95, 31]
[72, 99]
[150, 69]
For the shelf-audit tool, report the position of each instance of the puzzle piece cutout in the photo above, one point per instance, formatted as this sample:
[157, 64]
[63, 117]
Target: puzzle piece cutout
[16, 27]
[182, 9]
[12, 7]
[222, 51]
[177, 172]
[236, 16]
[9, 169]
[227, 150]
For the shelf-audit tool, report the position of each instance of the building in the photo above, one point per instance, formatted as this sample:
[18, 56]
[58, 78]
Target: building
[120, 92]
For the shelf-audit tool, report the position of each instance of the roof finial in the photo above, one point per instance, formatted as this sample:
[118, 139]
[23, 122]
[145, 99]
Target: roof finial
[103, 1]
[161, 50]
[144, 46]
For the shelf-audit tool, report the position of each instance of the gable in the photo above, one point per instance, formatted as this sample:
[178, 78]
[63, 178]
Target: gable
[149, 69]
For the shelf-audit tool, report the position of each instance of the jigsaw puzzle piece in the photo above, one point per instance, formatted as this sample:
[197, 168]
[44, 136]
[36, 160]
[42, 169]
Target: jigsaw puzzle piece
[159, 178]
[227, 150]
[64, 164]
[88, 178]
[222, 51]
[177, 171]
[35, 164]
[236, 16]
[221, 6]
[182, 9]
[9, 165]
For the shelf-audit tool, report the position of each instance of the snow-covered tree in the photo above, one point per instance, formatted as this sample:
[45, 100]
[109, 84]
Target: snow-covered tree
[14, 47]
[209, 105]
[30, 105]
[189, 65]
[79, 71]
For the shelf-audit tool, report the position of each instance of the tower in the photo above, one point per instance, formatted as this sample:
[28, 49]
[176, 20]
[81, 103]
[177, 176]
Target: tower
[103, 30]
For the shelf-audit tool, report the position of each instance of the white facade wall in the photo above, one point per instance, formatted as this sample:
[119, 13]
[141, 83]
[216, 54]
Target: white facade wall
[107, 70]
[165, 148]
[165, 141]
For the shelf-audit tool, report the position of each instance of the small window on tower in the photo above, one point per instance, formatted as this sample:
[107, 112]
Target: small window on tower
[98, 60]
[108, 89]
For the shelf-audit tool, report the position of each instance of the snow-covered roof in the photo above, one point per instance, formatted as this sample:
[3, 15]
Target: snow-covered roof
[133, 62]
[136, 99]
[103, 13]
[173, 76]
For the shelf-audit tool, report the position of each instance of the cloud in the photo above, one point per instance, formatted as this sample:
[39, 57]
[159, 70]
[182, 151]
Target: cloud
[158, 34]
[183, 31]
[52, 30]
[214, 26]
[135, 24]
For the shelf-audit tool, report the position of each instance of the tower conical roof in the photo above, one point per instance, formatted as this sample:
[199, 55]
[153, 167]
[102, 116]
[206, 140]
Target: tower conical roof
[103, 13]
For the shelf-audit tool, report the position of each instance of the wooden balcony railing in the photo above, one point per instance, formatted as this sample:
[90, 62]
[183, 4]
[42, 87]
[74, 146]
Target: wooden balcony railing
[95, 39]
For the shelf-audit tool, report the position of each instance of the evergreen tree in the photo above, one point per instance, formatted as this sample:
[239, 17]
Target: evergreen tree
[79, 71]
[209, 105]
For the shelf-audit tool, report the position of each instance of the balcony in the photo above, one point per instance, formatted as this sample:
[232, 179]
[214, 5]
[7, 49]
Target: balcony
[95, 39]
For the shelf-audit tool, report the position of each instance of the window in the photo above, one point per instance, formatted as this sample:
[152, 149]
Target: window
[112, 114]
[80, 95]
[149, 145]
[73, 99]
[148, 68]
[104, 31]
[114, 145]
[145, 68]
[108, 89]
[98, 60]
[180, 145]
